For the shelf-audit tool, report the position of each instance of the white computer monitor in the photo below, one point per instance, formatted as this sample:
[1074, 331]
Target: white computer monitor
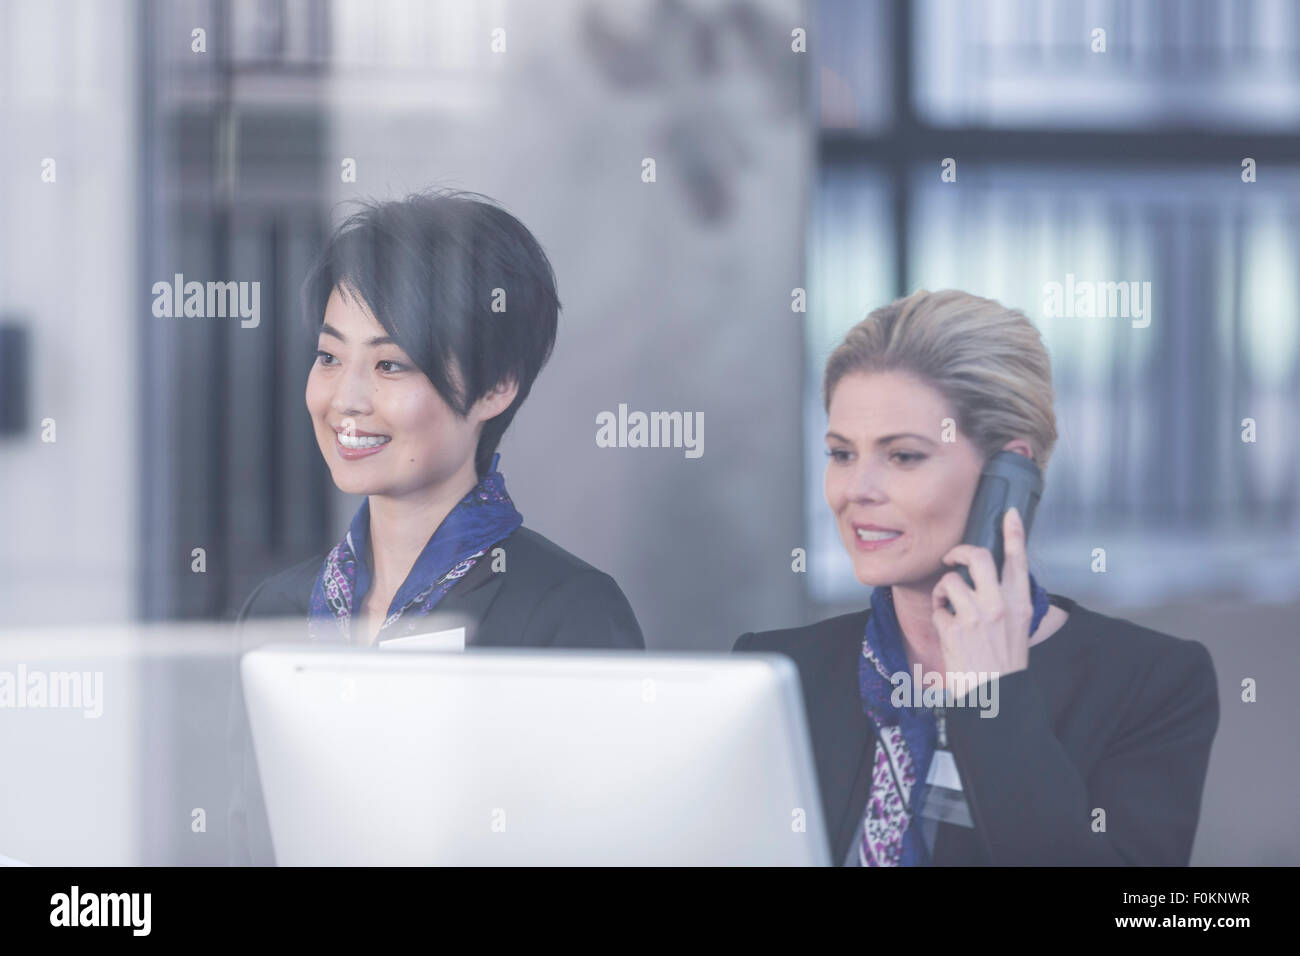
[533, 757]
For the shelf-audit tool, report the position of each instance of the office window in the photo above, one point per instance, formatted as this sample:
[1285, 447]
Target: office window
[1093, 186]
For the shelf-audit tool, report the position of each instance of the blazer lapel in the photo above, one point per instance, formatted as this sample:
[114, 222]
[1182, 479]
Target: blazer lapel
[845, 736]
[466, 604]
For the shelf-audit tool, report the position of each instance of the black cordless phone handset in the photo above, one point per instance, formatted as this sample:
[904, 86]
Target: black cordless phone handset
[1009, 480]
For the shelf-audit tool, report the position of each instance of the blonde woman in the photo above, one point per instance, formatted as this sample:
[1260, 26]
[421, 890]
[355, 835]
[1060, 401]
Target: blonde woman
[1060, 735]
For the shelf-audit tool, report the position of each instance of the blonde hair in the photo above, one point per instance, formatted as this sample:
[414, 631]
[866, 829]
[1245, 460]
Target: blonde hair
[987, 361]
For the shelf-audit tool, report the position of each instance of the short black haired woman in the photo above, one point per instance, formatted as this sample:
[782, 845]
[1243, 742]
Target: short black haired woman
[1082, 738]
[434, 315]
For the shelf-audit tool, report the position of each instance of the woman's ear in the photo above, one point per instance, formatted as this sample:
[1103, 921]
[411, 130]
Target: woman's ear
[1020, 447]
[497, 400]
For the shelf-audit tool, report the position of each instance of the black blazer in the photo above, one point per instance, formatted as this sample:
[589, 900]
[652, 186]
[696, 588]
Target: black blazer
[1108, 715]
[545, 597]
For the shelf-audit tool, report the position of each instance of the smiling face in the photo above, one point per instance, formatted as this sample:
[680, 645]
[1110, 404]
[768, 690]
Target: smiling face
[888, 469]
[363, 384]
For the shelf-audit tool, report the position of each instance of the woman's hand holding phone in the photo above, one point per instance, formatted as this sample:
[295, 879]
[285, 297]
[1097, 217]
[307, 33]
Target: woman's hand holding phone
[987, 631]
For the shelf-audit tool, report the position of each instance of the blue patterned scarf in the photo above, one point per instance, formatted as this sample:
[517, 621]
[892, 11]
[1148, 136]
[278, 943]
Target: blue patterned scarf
[911, 734]
[483, 517]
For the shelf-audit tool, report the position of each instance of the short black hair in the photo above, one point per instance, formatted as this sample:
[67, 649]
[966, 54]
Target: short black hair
[428, 268]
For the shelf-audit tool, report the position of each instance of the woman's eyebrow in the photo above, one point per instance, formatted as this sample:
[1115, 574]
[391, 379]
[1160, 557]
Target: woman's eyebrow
[327, 329]
[888, 438]
[884, 440]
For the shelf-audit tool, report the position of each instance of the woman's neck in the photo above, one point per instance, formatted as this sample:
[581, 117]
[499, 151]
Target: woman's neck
[401, 527]
[920, 636]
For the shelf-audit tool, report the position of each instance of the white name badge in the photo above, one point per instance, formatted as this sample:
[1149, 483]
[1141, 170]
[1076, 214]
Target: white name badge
[450, 640]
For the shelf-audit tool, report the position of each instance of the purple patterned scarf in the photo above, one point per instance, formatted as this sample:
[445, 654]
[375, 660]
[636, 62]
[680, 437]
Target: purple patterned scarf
[483, 517]
[908, 735]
